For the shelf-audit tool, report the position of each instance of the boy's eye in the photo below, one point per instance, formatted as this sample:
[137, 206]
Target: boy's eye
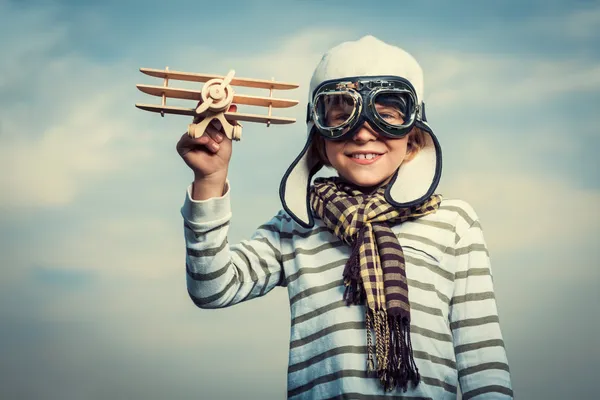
[337, 118]
[391, 116]
[342, 116]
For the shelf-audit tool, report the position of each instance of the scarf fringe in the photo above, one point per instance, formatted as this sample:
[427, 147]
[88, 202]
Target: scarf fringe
[396, 367]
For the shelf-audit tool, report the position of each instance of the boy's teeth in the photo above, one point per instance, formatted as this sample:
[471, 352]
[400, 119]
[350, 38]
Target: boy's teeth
[364, 156]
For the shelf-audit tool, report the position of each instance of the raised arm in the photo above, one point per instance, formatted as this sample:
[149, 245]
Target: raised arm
[480, 354]
[220, 274]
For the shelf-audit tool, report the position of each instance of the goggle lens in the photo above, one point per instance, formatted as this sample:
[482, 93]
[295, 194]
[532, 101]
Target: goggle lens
[334, 109]
[392, 107]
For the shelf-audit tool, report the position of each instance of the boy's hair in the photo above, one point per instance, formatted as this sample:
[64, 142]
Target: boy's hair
[416, 141]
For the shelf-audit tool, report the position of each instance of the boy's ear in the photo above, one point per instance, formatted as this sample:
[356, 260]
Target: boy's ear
[416, 141]
[410, 154]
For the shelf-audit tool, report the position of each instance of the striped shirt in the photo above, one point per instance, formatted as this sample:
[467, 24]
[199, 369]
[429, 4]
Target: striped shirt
[455, 329]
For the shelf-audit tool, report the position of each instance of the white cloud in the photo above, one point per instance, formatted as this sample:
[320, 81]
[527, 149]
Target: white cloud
[459, 79]
[145, 247]
[579, 24]
[520, 207]
[288, 58]
[62, 123]
[49, 169]
[490, 79]
[521, 210]
[23, 49]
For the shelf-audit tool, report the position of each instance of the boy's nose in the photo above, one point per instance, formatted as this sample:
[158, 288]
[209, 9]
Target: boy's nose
[365, 133]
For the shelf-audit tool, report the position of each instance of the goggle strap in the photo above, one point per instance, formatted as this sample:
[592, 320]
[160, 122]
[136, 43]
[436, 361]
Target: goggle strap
[308, 113]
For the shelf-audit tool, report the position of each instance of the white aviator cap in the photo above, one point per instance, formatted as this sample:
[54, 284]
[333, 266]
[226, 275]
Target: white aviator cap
[415, 180]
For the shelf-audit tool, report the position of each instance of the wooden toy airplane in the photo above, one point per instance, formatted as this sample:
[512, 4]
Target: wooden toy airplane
[214, 100]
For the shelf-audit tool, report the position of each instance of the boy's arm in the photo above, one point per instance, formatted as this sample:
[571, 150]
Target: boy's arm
[220, 274]
[480, 354]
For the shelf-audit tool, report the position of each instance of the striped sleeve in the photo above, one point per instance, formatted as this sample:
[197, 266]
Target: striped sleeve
[219, 274]
[481, 358]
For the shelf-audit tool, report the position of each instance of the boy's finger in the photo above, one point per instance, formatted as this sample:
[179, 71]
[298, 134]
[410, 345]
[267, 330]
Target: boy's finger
[212, 145]
[205, 142]
[233, 108]
[217, 124]
[215, 134]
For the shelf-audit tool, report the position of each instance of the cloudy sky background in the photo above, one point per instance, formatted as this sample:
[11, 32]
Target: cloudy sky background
[92, 290]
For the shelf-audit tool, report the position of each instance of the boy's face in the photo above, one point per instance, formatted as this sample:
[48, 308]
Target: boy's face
[368, 158]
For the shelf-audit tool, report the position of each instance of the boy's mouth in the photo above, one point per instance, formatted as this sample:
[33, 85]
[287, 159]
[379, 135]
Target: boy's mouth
[367, 156]
[364, 157]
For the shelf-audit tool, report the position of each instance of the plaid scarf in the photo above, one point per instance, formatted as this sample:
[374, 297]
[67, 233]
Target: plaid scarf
[375, 270]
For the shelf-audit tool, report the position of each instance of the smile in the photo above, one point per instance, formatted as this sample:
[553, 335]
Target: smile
[365, 158]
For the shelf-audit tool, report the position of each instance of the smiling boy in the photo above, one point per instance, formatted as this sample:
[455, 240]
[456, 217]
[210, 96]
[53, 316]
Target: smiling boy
[390, 284]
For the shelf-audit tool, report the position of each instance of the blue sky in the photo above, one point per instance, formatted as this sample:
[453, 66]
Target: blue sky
[92, 297]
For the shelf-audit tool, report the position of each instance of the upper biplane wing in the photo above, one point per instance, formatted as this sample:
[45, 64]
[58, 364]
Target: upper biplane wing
[195, 77]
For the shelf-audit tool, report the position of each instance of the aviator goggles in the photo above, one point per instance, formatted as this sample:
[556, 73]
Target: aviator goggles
[339, 107]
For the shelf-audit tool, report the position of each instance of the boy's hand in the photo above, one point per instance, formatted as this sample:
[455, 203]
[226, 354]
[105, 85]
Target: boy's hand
[208, 156]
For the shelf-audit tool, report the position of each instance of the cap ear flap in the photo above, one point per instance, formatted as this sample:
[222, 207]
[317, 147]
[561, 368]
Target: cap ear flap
[295, 184]
[418, 178]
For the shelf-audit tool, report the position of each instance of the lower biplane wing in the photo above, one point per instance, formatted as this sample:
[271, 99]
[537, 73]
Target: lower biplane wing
[195, 77]
[230, 116]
